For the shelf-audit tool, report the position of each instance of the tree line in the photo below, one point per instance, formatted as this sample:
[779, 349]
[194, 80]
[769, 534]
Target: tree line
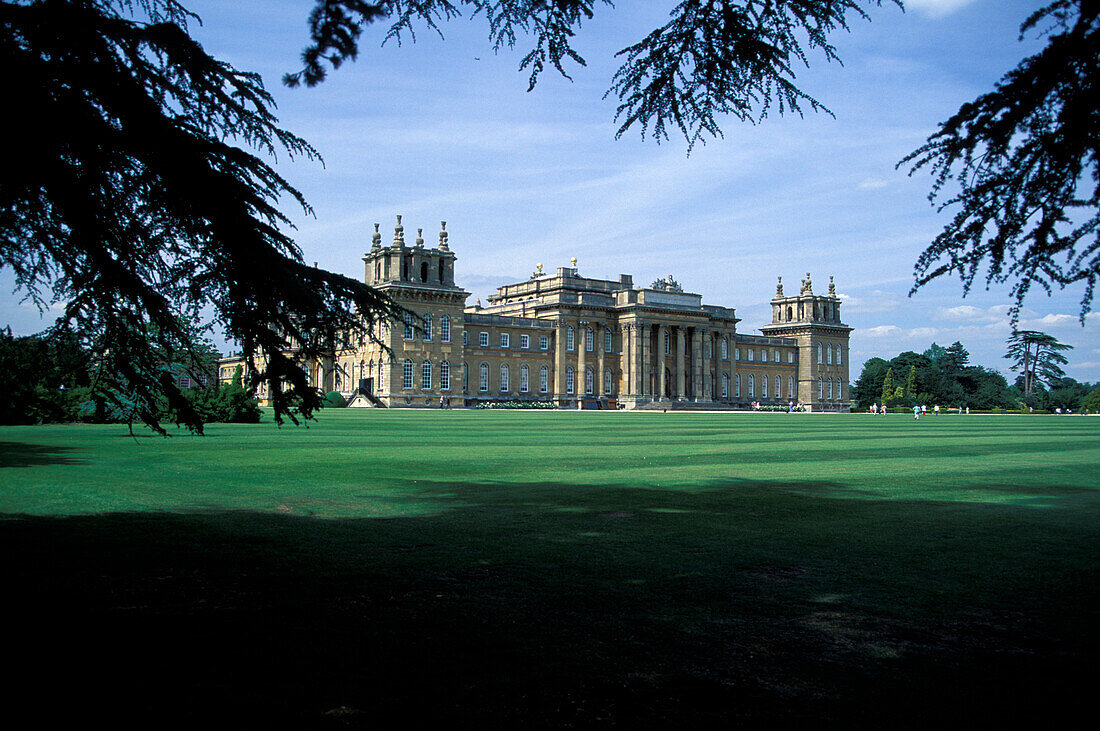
[945, 377]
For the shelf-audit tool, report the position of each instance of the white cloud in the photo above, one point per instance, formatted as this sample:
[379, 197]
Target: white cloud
[872, 183]
[881, 331]
[936, 8]
[971, 314]
[923, 332]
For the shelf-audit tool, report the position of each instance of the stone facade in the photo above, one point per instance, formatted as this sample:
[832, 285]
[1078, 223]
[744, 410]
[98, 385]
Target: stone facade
[581, 342]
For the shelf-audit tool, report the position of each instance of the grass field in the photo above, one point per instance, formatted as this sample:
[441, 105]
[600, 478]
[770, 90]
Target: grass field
[553, 570]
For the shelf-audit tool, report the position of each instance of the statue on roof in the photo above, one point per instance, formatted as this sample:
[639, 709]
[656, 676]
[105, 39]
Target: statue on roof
[667, 284]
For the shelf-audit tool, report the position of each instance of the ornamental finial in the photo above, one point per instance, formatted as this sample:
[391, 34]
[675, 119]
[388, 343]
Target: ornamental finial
[443, 236]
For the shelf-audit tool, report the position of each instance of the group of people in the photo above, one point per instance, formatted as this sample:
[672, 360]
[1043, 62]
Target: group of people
[918, 411]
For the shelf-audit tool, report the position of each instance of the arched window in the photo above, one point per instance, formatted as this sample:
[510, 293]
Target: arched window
[408, 326]
[426, 375]
[778, 388]
[763, 387]
[570, 378]
[588, 378]
[829, 391]
[589, 341]
[445, 376]
[752, 386]
[789, 314]
[607, 381]
[427, 327]
[790, 387]
[607, 340]
[524, 379]
[820, 389]
[445, 329]
[838, 351]
[819, 354]
[423, 271]
[725, 385]
[829, 354]
[736, 384]
[544, 379]
[839, 390]
[362, 369]
[407, 374]
[483, 377]
[505, 381]
[570, 336]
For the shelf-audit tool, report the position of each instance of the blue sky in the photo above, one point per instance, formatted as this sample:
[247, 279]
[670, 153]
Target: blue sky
[445, 130]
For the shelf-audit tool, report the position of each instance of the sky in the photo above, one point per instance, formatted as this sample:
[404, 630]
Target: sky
[445, 129]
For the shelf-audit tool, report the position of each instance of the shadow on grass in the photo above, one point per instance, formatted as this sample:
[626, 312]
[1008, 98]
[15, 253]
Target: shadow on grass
[550, 606]
[24, 454]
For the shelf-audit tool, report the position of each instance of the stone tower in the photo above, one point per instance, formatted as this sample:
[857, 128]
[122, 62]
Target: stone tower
[814, 322]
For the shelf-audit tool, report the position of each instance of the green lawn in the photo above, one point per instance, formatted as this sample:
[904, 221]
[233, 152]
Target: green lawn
[554, 570]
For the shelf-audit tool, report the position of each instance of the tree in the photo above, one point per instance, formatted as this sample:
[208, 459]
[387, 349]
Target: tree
[1091, 402]
[127, 199]
[911, 383]
[869, 386]
[1037, 357]
[1021, 164]
[888, 386]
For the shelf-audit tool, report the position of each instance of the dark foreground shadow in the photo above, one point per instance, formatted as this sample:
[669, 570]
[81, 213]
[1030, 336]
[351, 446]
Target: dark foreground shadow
[23, 454]
[554, 606]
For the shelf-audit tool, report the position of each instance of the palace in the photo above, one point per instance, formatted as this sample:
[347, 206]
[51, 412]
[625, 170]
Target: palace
[581, 342]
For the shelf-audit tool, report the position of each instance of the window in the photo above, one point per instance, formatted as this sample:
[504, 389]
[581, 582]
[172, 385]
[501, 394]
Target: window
[820, 389]
[725, 385]
[790, 387]
[752, 354]
[668, 344]
[737, 353]
[483, 339]
[465, 340]
[408, 326]
[426, 375]
[736, 385]
[483, 377]
[505, 340]
[790, 357]
[544, 379]
[607, 340]
[589, 340]
[752, 386]
[407, 374]
[570, 336]
[569, 380]
[524, 379]
[764, 387]
[829, 382]
[725, 350]
[607, 381]
[427, 327]
[525, 341]
[185, 382]
[465, 377]
[829, 354]
[380, 383]
[445, 329]
[838, 389]
[819, 359]
[504, 379]
[445, 376]
[838, 355]
[544, 342]
[775, 356]
[588, 378]
[778, 388]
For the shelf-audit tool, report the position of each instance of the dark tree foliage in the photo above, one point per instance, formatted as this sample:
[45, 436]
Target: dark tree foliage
[1037, 357]
[1021, 164]
[712, 58]
[130, 197]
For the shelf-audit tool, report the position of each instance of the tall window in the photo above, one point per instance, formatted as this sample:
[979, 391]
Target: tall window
[829, 354]
[838, 355]
[570, 378]
[790, 387]
[524, 379]
[483, 339]
[588, 378]
[407, 374]
[725, 350]
[427, 327]
[381, 384]
[408, 326]
[426, 375]
[752, 354]
[505, 340]
[790, 357]
[830, 390]
[737, 353]
[752, 386]
[589, 340]
[820, 389]
[483, 377]
[819, 358]
[445, 376]
[778, 388]
[668, 343]
[607, 381]
[544, 379]
[736, 385]
[445, 329]
[839, 394]
[544, 342]
[525, 341]
[725, 385]
[764, 386]
[570, 337]
[465, 377]
[505, 385]
[607, 340]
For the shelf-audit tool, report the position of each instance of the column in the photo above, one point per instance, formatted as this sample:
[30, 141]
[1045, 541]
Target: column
[708, 369]
[559, 360]
[582, 342]
[697, 363]
[626, 359]
[680, 357]
[659, 361]
[601, 361]
[645, 345]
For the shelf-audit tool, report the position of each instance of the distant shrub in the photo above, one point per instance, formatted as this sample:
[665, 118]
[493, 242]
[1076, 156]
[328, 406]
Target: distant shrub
[517, 405]
[333, 399]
